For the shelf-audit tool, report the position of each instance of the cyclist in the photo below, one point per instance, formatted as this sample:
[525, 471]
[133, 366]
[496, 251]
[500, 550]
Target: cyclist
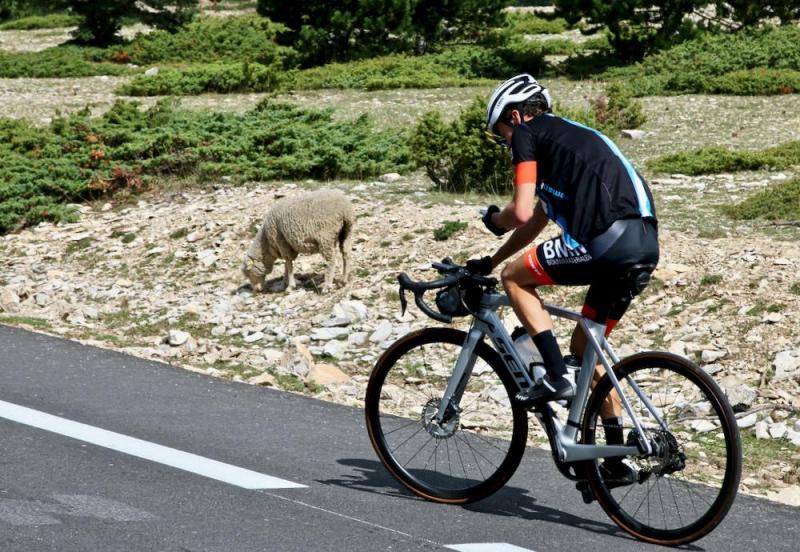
[607, 217]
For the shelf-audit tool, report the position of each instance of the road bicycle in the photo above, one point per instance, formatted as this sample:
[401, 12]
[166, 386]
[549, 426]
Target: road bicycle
[441, 415]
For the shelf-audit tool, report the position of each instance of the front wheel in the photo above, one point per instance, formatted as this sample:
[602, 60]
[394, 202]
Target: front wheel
[480, 442]
[684, 488]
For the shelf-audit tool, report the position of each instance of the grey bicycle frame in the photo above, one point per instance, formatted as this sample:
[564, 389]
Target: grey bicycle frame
[486, 322]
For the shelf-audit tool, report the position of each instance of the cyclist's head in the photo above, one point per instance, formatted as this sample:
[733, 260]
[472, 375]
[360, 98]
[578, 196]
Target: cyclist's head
[522, 94]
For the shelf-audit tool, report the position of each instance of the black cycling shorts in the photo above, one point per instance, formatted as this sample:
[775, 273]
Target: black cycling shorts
[601, 265]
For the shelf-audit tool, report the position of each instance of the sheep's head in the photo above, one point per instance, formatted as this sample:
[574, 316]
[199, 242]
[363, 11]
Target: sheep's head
[256, 271]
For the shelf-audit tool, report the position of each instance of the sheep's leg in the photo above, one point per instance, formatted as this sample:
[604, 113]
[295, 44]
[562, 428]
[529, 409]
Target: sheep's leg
[345, 247]
[330, 257]
[288, 275]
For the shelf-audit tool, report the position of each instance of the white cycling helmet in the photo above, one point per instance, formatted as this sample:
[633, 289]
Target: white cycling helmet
[513, 91]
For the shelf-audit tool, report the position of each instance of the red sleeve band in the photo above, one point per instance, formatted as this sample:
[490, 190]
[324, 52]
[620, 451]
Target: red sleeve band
[525, 173]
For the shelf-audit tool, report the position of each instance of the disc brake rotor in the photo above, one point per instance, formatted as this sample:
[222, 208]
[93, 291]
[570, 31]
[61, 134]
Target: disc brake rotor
[449, 424]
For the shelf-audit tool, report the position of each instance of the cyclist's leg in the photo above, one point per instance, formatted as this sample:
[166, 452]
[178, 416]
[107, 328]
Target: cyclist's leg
[548, 264]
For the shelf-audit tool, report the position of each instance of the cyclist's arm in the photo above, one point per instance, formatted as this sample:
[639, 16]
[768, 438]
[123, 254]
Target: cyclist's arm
[520, 210]
[522, 236]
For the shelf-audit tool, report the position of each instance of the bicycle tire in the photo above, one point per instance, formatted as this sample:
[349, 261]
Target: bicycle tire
[488, 376]
[694, 394]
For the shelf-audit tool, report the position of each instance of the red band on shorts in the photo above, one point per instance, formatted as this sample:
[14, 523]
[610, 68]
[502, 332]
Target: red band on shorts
[610, 325]
[589, 312]
[525, 173]
[535, 269]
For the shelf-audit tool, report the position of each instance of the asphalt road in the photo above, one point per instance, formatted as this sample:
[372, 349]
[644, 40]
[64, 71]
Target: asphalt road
[60, 493]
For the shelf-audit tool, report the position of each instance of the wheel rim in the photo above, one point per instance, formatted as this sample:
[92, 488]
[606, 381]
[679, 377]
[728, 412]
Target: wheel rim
[471, 450]
[686, 486]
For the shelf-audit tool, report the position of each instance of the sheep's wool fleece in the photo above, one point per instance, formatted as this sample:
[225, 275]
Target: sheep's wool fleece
[309, 220]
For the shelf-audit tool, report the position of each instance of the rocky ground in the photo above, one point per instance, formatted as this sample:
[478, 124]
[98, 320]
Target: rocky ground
[159, 278]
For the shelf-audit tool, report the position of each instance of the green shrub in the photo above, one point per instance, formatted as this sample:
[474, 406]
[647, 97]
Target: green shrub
[59, 62]
[78, 157]
[778, 202]
[717, 160]
[710, 63]
[52, 21]
[447, 229]
[209, 39]
[199, 79]
[457, 157]
[754, 82]
[522, 23]
[710, 279]
[388, 72]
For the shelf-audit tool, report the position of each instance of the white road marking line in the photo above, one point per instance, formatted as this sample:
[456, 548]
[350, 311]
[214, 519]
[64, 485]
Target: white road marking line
[186, 461]
[486, 547]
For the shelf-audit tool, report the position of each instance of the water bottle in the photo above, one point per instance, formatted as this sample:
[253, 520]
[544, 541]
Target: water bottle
[529, 354]
[573, 367]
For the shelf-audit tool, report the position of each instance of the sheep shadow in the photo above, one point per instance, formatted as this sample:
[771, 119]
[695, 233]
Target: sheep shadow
[272, 286]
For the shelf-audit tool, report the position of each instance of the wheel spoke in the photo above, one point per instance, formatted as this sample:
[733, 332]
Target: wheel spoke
[460, 461]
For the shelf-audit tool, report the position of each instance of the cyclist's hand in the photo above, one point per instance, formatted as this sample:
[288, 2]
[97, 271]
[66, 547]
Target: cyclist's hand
[482, 266]
[487, 221]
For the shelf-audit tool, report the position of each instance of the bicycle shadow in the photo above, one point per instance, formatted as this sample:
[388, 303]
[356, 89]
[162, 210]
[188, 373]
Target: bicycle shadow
[372, 477]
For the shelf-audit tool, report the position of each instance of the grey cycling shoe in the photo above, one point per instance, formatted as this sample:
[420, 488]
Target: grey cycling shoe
[547, 390]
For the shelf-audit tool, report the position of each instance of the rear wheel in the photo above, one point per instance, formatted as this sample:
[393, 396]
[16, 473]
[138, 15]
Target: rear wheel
[686, 487]
[477, 447]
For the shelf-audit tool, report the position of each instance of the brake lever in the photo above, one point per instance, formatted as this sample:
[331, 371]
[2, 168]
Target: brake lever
[403, 302]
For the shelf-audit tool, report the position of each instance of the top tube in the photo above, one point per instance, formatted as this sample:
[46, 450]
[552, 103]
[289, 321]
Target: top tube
[495, 300]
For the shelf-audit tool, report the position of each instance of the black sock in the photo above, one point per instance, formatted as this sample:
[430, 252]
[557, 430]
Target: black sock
[613, 430]
[551, 354]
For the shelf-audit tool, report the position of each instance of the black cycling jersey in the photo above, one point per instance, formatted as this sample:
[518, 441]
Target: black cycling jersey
[583, 181]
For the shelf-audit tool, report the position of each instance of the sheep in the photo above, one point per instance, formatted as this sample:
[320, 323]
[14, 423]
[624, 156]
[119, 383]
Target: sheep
[313, 222]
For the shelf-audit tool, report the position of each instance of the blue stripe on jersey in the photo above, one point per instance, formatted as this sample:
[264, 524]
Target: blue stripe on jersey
[645, 209]
[569, 241]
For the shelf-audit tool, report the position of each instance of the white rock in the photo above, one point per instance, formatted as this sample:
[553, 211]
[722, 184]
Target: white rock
[773, 317]
[296, 360]
[788, 495]
[327, 374]
[740, 396]
[389, 177]
[353, 311]
[218, 331]
[793, 436]
[194, 236]
[207, 257]
[787, 365]
[651, 327]
[678, 348]
[9, 300]
[333, 348]
[797, 425]
[152, 72]
[777, 430]
[747, 421]
[703, 426]
[708, 356]
[42, 299]
[253, 337]
[325, 334]
[357, 338]
[266, 379]
[176, 338]
[634, 134]
[382, 332]
[762, 430]
[272, 355]
[712, 369]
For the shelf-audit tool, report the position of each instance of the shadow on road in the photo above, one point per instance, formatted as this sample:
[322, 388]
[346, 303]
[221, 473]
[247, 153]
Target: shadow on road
[372, 477]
